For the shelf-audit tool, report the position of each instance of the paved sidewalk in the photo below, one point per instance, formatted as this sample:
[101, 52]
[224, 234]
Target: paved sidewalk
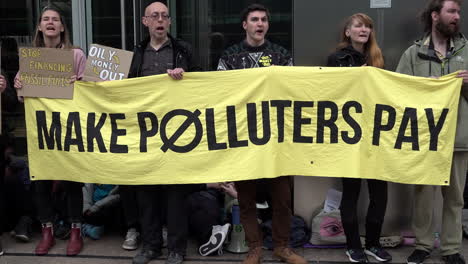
[109, 251]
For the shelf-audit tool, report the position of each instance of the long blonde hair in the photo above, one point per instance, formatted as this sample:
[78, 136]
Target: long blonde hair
[38, 40]
[371, 48]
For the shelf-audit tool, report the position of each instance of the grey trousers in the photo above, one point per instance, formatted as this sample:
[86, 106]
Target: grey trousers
[451, 232]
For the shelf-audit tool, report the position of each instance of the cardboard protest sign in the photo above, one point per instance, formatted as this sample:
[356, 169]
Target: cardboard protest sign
[107, 64]
[46, 72]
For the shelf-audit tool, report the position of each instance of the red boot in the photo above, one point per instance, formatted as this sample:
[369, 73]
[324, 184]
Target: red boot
[47, 240]
[75, 244]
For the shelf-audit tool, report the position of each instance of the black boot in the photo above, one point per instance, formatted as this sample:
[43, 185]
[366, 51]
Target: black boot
[23, 229]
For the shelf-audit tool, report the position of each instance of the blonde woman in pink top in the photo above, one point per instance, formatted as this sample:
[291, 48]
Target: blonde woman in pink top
[51, 32]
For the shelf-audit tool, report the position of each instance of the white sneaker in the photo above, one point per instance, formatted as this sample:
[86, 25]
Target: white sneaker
[132, 239]
[224, 228]
[218, 236]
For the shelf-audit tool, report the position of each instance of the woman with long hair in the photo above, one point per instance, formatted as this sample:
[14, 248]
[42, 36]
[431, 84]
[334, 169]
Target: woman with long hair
[51, 32]
[358, 47]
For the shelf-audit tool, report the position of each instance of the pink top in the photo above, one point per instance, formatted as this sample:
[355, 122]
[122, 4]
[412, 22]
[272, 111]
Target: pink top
[79, 63]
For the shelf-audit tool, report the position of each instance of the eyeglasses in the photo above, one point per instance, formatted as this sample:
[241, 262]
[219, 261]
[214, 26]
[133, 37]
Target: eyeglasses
[156, 16]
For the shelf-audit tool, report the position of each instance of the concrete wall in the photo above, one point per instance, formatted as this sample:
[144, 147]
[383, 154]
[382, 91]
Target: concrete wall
[310, 193]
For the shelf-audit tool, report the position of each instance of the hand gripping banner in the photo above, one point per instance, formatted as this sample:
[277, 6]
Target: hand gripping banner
[358, 122]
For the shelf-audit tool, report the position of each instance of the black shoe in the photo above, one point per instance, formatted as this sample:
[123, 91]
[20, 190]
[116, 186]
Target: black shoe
[418, 256]
[453, 259]
[145, 256]
[378, 253]
[23, 229]
[1, 248]
[174, 258]
[356, 255]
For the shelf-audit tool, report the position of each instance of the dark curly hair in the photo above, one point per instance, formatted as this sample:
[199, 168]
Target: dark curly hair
[433, 5]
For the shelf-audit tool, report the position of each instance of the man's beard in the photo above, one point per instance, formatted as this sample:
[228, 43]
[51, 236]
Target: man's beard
[448, 30]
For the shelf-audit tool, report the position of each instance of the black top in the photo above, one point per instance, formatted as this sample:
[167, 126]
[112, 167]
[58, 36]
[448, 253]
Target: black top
[346, 57]
[244, 56]
[157, 61]
[181, 57]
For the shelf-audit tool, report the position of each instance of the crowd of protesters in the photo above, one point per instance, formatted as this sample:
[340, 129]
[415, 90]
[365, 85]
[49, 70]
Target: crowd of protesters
[152, 216]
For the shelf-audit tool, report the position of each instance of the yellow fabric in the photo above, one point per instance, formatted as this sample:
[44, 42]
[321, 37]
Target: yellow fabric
[159, 95]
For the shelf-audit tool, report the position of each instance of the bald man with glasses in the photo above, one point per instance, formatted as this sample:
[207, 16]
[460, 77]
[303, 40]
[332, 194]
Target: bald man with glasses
[160, 53]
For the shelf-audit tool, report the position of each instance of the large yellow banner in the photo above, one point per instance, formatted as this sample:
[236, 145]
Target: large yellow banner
[358, 122]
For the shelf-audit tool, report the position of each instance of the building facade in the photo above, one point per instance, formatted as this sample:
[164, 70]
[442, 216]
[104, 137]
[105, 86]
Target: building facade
[310, 29]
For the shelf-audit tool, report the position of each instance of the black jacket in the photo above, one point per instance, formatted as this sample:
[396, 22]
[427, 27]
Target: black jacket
[346, 57]
[182, 57]
[243, 56]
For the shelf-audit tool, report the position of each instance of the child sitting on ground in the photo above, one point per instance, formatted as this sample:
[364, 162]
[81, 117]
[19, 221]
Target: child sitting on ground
[100, 203]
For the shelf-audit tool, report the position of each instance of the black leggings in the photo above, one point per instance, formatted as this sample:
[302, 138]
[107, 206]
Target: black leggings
[73, 200]
[375, 211]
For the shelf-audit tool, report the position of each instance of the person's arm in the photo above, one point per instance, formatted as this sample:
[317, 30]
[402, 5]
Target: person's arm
[115, 190]
[18, 85]
[176, 74]
[464, 89]
[223, 64]
[332, 61]
[79, 64]
[405, 66]
[134, 66]
[230, 189]
[289, 62]
[111, 199]
[107, 201]
[286, 58]
[214, 185]
[192, 66]
[87, 197]
[3, 83]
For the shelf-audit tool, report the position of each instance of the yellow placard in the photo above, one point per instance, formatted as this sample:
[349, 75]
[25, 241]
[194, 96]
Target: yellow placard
[358, 122]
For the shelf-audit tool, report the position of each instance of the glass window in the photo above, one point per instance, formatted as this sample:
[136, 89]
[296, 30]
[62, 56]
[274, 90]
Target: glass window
[213, 25]
[16, 19]
[107, 25]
